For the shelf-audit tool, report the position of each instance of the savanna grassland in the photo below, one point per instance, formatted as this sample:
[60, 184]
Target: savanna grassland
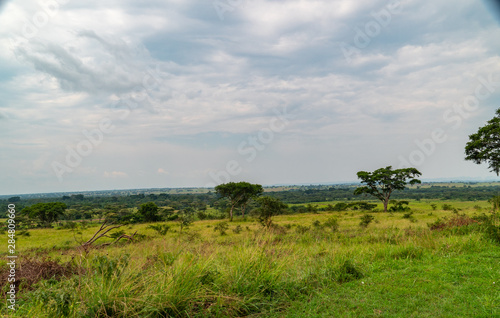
[321, 264]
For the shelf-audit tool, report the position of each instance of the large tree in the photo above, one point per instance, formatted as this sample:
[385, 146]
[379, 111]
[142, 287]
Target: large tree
[149, 212]
[238, 193]
[45, 212]
[484, 146]
[382, 182]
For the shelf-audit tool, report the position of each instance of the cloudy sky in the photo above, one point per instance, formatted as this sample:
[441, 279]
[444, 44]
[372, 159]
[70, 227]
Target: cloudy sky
[121, 94]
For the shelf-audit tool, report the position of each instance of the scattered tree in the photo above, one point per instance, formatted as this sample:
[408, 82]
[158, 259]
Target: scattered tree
[184, 219]
[47, 213]
[484, 146]
[269, 207]
[149, 212]
[238, 194]
[382, 182]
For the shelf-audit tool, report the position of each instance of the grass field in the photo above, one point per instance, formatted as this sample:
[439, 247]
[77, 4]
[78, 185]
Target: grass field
[395, 267]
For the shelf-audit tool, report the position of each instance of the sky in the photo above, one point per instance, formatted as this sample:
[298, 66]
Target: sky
[100, 95]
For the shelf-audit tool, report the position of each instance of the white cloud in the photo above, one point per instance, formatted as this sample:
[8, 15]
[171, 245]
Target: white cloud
[115, 174]
[219, 82]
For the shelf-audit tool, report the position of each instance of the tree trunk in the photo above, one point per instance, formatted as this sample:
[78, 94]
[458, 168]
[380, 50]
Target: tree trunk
[231, 214]
[386, 202]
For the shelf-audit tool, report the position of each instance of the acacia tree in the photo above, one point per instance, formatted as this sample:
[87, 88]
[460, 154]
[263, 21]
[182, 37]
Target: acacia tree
[45, 212]
[382, 182]
[238, 194]
[484, 146]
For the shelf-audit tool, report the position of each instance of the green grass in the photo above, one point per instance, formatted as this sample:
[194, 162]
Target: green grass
[396, 267]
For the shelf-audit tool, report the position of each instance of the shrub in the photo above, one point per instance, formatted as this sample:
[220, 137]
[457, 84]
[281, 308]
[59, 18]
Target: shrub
[399, 206]
[221, 227]
[332, 223]
[317, 224]
[365, 220]
[161, 229]
[348, 272]
[301, 229]
[238, 229]
[117, 234]
[340, 206]
[447, 207]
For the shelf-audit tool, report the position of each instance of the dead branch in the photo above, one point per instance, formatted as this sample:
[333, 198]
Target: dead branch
[101, 232]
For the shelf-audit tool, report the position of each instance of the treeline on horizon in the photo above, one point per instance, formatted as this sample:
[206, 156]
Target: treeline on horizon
[82, 204]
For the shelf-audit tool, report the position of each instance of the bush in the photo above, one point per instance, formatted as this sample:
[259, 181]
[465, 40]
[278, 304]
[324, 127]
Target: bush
[399, 206]
[238, 229]
[348, 272]
[365, 220]
[332, 223]
[317, 224]
[161, 229]
[447, 207]
[221, 227]
[341, 206]
[301, 229]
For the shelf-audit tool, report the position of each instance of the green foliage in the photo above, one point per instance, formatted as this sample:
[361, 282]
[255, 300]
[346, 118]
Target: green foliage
[269, 207]
[317, 224]
[221, 227]
[382, 182]
[361, 205]
[237, 229]
[332, 224]
[340, 206]
[408, 215]
[483, 145]
[447, 207]
[161, 229]
[301, 229]
[312, 208]
[399, 206]
[366, 219]
[149, 212]
[47, 213]
[434, 206]
[110, 268]
[348, 272]
[239, 194]
[495, 203]
[117, 234]
[184, 219]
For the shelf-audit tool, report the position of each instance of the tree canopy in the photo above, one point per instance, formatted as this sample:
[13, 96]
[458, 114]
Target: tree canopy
[269, 207]
[382, 182]
[484, 146]
[45, 212]
[239, 194]
[149, 212]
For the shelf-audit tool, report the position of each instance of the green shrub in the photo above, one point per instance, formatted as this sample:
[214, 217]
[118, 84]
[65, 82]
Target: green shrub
[332, 223]
[348, 272]
[221, 227]
[301, 229]
[365, 220]
[447, 207]
[161, 229]
[317, 224]
[237, 229]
